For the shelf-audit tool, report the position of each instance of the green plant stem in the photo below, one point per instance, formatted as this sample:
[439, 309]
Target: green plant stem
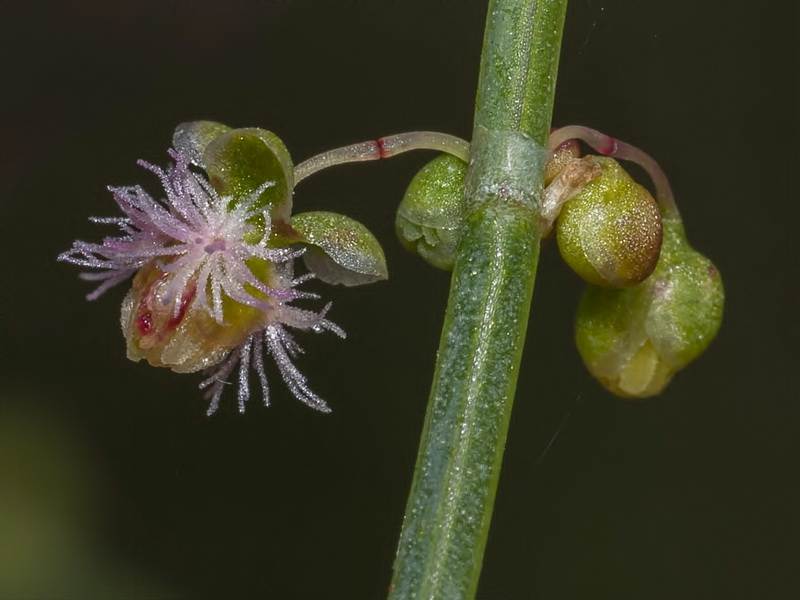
[449, 508]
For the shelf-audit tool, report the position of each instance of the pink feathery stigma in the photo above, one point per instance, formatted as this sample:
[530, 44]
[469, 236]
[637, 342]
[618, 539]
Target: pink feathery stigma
[279, 344]
[193, 234]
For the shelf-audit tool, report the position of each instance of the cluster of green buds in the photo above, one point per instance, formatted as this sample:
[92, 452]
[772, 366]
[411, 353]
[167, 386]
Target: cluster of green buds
[635, 334]
[652, 304]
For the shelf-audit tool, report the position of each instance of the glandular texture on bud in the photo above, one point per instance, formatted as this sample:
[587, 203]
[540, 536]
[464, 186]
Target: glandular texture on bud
[610, 232]
[429, 218]
[634, 340]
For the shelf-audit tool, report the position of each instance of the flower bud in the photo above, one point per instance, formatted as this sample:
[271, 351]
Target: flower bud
[610, 232]
[239, 162]
[339, 250]
[429, 217]
[634, 340]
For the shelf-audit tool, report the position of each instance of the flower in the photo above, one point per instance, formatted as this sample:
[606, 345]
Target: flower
[213, 262]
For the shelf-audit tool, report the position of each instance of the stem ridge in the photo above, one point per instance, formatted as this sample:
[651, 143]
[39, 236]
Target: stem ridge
[450, 505]
[466, 426]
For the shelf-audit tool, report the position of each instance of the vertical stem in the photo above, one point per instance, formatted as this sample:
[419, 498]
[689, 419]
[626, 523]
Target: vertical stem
[452, 495]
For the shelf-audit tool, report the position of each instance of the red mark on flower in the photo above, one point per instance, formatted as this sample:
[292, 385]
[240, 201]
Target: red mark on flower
[144, 323]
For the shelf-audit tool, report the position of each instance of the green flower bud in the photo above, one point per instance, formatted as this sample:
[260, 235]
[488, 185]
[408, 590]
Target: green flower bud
[339, 249]
[634, 340]
[239, 162]
[610, 232]
[192, 138]
[429, 217]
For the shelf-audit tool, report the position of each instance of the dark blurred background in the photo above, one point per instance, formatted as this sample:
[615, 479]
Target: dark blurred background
[116, 485]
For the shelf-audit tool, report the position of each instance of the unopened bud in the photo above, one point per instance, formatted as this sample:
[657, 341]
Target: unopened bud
[429, 218]
[634, 340]
[610, 232]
